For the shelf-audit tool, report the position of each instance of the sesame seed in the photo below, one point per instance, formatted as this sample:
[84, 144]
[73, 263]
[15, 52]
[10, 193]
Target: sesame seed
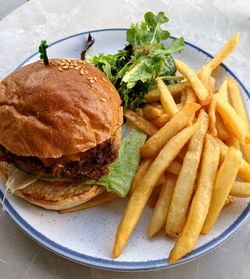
[82, 72]
[104, 79]
[77, 68]
[86, 72]
[91, 81]
[71, 66]
[95, 78]
[103, 100]
[60, 69]
[65, 67]
[89, 78]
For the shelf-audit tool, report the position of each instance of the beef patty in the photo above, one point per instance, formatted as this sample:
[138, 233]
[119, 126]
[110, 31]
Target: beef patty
[91, 164]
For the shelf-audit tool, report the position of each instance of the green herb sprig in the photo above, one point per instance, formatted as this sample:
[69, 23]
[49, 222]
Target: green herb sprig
[43, 52]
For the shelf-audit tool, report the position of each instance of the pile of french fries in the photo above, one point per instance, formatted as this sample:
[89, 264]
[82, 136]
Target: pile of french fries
[198, 148]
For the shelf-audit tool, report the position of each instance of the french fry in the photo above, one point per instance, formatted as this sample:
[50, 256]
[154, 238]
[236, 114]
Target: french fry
[185, 182]
[190, 96]
[204, 75]
[142, 193]
[211, 86]
[238, 105]
[224, 181]
[140, 122]
[233, 141]
[100, 199]
[240, 189]
[182, 153]
[183, 97]
[223, 90]
[236, 99]
[224, 52]
[152, 112]
[200, 202]
[175, 89]
[160, 212]
[212, 117]
[154, 144]
[161, 120]
[166, 98]
[229, 200]
[244, 170]
[230, 117]
[246, 150]
[222, 132]
[174, 168]
[198, 87]
[143, 167]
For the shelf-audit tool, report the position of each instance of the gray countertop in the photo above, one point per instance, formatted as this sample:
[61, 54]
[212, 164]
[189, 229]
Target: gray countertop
[208, 24]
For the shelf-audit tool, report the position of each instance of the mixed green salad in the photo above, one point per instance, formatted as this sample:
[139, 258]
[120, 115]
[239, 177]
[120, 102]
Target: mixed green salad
[146, 56]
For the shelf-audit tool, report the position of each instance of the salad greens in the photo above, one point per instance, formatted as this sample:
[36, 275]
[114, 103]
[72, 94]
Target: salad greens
[133, 69]
[43, 52]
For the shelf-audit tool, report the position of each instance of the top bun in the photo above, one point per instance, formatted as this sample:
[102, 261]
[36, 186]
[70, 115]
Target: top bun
[63, 108]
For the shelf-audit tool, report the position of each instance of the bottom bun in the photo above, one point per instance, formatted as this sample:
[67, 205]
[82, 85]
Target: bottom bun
[51, 195]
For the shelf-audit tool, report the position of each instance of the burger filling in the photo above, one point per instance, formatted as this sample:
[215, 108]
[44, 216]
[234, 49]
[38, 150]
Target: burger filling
[91, 164]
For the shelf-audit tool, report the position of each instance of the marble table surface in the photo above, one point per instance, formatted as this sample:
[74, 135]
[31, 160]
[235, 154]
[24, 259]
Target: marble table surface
[207, 24]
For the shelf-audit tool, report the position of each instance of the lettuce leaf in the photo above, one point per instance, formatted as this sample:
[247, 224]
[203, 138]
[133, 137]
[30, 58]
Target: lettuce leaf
[122, 171]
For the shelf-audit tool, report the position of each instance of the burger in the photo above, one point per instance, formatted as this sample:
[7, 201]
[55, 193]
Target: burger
[60, 126]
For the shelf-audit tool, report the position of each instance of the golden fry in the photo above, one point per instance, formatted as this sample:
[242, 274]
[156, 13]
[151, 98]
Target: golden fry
[140, 122]
[100, 199]
[222, 132]
[185, 182]
[174, 168]
[143, 167]
[154, 144]
[160, 212]
[183, 97]
[175, 89]
[232, 120]
[198, 87]
[224, 52]
[161, 120]
[223, 90]
[201, 201]
[244, 171]
[236, 98]
[190, 96]
[211, 86]
[212, 117]
[142, 193]
[166, 98]
[224, 181]
[204, 75]
[240, 189]
[233, 141]
[152, 112]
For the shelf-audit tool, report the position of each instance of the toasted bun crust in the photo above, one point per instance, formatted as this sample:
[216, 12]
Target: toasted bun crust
[52, 197]
[64, 108]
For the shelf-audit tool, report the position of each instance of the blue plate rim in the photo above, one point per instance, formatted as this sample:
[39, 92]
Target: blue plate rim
[114, 264]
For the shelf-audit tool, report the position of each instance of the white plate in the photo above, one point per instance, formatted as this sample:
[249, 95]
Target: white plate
[87, 237]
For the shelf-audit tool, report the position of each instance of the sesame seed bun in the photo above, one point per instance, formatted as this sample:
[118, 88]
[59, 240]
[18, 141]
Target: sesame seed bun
[63, 108]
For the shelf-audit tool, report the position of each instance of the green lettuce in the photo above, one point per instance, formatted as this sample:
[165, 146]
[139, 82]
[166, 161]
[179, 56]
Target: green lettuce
[122, 171]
